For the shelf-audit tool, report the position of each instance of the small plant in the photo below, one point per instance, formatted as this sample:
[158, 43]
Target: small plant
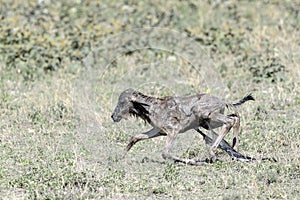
[171, 173]
[263, 67]
[270, 69]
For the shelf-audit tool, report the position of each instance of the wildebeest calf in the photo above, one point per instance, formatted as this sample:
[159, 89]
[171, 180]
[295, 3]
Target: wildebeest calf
[172, 115]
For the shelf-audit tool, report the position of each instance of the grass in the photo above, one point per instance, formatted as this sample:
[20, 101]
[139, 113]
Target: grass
[63, 65]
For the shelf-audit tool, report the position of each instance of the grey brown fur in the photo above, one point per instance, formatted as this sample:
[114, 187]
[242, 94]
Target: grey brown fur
[170, 116]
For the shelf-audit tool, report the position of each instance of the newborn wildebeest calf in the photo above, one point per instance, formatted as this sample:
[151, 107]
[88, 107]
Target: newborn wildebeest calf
[172, 115]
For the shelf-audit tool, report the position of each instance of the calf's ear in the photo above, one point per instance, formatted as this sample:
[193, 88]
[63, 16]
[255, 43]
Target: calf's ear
[133, 98]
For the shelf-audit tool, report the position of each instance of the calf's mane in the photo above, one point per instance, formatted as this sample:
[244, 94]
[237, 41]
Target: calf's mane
[140, 110]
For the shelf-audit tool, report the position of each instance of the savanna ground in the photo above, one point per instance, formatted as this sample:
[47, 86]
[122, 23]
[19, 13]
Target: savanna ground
[64, 63]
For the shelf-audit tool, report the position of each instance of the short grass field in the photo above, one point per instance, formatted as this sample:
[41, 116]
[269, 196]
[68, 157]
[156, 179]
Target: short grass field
[63, 65]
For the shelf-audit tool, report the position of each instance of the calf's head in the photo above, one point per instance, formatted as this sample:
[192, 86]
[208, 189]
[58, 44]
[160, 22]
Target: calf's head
[124, 106]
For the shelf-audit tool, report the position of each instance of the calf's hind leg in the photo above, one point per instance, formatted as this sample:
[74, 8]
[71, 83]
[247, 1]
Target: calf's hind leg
[229, 122]
[236, 128]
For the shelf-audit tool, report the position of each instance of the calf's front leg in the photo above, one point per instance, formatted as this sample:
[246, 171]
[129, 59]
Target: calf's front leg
[167, 152]
[143, 136]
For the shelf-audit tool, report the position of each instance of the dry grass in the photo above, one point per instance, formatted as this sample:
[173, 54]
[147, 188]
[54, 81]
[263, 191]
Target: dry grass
[56, 136]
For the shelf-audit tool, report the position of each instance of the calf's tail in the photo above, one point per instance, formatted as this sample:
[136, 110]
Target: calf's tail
[248, 97]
